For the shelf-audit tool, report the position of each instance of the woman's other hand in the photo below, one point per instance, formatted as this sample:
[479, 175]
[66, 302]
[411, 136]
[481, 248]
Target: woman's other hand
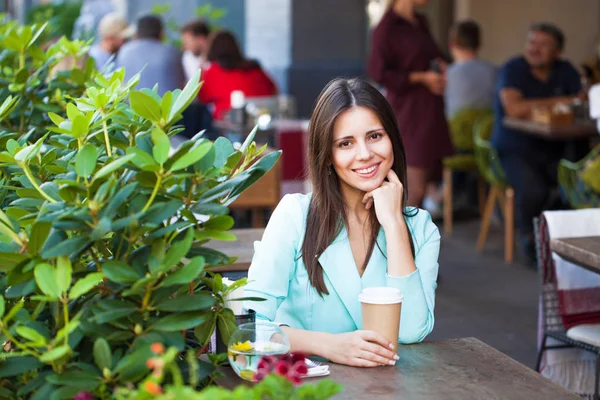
[361, 349]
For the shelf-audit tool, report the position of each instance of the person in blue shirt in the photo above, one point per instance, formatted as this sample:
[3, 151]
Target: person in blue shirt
[320, 250]
[158, 63]
[539, 78]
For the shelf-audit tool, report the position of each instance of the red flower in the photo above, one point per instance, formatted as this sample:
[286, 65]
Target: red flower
[300, 368]
[282, 368]
[83, 396]
[267, 362]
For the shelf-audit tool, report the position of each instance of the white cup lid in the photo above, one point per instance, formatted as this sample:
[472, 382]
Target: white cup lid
[380, 295]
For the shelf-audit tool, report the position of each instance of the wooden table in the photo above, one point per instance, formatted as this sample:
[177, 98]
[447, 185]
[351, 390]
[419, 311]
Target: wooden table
[242, 248]
[576, 130]
[448, 369]
[583, 251]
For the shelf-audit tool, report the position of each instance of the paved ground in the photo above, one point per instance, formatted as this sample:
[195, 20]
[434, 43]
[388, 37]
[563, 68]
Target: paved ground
[481, 296]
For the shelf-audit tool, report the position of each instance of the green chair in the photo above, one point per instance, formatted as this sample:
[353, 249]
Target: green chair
[491, 170]
[461, 134]
[579, 182]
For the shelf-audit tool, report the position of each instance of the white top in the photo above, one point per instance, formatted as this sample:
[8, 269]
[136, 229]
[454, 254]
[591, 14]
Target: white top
[191, 63]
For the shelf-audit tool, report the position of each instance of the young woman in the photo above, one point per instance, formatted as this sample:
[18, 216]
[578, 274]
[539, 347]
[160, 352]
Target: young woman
[228, 71]
[320, 250]
[405, 60]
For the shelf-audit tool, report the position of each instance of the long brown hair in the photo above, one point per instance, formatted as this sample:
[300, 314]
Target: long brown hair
[224, 50]
[327, 212]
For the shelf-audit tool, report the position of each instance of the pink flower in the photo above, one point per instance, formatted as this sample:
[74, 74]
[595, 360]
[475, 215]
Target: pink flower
[83, 396]
[282, 368]
[300, 368]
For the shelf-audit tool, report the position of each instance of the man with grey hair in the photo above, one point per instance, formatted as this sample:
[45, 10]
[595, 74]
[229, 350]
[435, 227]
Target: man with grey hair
[112, 32]
[538, 78]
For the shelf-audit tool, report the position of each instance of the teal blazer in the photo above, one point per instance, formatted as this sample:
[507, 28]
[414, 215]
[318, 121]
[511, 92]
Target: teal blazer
[278, 274]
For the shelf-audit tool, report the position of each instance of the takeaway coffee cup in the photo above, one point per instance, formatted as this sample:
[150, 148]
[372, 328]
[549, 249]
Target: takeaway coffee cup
[381, 311]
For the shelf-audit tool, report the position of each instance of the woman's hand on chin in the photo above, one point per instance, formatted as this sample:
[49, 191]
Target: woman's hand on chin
[387, 200]
[360, 349]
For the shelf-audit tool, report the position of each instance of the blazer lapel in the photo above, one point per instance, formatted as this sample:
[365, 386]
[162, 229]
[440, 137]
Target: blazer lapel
[339, 267]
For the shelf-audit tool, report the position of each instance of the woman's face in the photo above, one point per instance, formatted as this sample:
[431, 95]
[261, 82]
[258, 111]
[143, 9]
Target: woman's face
[362, 153]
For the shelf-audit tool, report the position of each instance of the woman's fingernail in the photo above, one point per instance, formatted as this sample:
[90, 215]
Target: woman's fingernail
[392, 362]
[391, 346]
[396, 357]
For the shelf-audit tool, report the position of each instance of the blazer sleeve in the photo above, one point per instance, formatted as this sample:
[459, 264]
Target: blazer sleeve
[418, 288]
[381, 66]
[274, 261]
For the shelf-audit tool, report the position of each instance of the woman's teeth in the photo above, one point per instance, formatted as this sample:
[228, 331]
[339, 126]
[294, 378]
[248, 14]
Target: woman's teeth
[366, 170]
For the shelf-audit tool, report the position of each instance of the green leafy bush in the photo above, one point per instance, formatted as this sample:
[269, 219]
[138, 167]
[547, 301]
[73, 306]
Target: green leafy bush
[102, 227]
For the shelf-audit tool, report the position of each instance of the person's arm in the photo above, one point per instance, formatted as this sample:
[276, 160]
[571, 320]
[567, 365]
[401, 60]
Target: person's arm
[518, 107]
[418, 286]
[274, 261]
[415, 277]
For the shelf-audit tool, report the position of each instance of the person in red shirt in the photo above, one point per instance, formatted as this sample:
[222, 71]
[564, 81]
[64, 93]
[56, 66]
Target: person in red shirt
[228, 71]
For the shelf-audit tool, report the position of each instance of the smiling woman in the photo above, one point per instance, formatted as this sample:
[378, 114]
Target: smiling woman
[320, 250]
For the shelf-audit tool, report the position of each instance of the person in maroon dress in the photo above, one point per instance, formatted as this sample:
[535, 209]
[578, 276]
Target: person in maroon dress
[403, 58]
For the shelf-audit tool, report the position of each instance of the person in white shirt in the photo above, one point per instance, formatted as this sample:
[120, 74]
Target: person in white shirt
[194, 38]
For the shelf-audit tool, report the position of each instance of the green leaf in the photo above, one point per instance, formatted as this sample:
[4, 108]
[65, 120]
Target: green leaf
[145, 106]
[45, 278]
[222, 223]
[113, 166]
[67, 247]
[158, 212]
[85, 162]
[226, 324]
[185, 302]
[249, 139]
[102, 354]
[177, 251]
[17, 366]
[55, 354]
[11, 260]
[185, 274]
[19, 290]
[80, 380]
[31, 335]
[119, 272]
[199, 150]
[39, 234]
[72, 111]
[29, 152]
[162, 145]
[165, 105]
[64, 270]
[143, 160]
[2, 306]
[187, 95]
[179, 322]
[56, 119]
[84, 285]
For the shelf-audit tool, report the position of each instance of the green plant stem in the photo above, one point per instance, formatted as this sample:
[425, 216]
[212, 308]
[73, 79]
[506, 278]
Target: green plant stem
[176, 374]
[66, 316]
[154, 192]
[147, 295]
[22, 59]
[29, 176]
[106, 138]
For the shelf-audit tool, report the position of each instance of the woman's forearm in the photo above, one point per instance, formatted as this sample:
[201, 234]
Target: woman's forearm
[309, 343]
[399, 255]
